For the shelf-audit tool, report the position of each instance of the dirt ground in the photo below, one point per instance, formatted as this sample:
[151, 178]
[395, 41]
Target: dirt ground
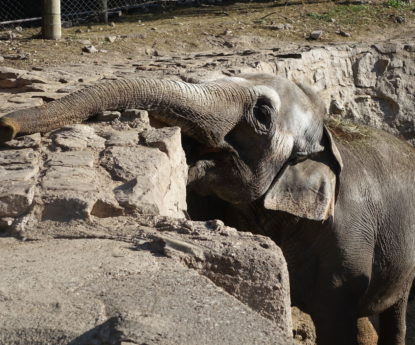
[250, 25]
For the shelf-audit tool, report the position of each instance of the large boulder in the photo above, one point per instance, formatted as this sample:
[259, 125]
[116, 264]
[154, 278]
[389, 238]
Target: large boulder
[114, 281]
[109, 257]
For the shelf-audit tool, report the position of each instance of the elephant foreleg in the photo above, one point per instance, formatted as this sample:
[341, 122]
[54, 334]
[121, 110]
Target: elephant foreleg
[336, 322]
[392, 326]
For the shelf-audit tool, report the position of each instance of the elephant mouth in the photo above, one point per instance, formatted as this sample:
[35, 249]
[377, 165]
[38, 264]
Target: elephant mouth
[200, 157]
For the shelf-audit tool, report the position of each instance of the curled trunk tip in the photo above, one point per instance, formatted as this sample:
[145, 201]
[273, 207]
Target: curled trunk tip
[8, 129]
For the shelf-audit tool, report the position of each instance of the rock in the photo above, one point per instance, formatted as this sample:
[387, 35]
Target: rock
[112, 24]
[84, 42]
[363, 71]
[409, 47]
[90, 49]
[304, 331]
[16, 198]
[123, 138]
[70, 159]
[10, 73]
[68, 89]
[18, 28]
[25, 156]
[111, 39]
[24, 141]
[6, 223]
[386, 48]
[108, 115]
[151, 52]
[154, 182]
[400, 19]
[279, 27]
[1, 58]
[77, 137]
[87, 291]
[131, 114]
[18, 170]
[343, 33]
[336, 108]
[10, 35]
[64, 177]
[315, 35]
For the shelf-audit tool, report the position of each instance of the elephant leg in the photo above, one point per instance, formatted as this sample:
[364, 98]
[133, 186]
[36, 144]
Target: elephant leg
[336, 322]
[392, 326]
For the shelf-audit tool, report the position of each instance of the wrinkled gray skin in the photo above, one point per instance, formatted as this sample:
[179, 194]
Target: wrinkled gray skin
[339, 202]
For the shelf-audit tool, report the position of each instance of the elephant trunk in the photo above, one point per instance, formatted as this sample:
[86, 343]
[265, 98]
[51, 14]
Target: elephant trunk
[203, 111]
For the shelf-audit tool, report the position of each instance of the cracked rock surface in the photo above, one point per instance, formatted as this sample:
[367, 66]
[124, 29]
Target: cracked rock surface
[166, 282]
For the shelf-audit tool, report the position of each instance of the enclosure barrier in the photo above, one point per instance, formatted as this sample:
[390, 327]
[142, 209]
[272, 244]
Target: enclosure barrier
[16, 12]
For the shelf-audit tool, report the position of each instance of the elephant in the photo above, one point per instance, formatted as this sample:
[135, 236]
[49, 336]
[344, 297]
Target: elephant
[338, 198]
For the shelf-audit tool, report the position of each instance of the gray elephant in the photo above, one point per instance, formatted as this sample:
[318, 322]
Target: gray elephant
[338, 199]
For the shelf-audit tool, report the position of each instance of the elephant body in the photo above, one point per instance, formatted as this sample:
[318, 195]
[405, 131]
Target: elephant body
[362, 261]
[338, 199]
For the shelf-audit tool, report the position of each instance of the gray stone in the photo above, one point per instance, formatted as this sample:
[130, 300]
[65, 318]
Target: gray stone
[16, 198]
[90, 49]
[386, 48]
[84, 42]
[18, 172]
[71, 159]
[102, 291]
[363, 71]
[343, 33]
[315, 35]
[108, 115]
[63, 178]
[123, 138]
[131, 114]
[154, 182]
[10, 73]
[77, 137]
[68, 89]
[26, 141]
[111, 39]
[18, 157]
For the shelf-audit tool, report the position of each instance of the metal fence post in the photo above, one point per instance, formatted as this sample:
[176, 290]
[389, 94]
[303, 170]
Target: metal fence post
[104, 11]
[51, 19]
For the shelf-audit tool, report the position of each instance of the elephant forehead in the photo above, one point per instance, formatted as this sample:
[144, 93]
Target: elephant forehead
[297, 119]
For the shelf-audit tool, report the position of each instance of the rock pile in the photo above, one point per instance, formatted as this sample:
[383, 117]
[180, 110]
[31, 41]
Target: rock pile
[109, 257]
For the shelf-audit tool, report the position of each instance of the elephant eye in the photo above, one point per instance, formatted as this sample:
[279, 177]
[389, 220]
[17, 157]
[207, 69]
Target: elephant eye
[262, 114]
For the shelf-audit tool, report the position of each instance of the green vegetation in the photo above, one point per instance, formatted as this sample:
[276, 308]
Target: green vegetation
[395, 4]
[324, 16]
[345, 14]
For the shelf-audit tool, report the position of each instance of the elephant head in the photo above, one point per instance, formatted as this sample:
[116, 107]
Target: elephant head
[257, 135]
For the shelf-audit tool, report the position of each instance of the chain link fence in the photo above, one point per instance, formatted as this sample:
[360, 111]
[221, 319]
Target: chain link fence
[15, 12]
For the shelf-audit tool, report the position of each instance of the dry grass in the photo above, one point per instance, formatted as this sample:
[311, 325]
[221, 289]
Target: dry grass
[345, 130]
[200, 29]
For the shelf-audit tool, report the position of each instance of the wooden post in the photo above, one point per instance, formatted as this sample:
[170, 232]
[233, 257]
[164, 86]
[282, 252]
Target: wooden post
[104, 11]
[51, 19]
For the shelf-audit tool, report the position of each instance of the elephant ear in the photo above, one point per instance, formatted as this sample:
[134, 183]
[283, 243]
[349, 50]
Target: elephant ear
[308, 189]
